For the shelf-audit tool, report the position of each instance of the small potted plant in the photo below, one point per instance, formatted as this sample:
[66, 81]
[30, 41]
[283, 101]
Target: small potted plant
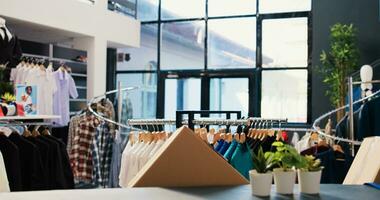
[309, 176]
[285, 158]
[261, 177]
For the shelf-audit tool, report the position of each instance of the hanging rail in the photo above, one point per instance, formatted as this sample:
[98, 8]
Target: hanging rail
[319, 119]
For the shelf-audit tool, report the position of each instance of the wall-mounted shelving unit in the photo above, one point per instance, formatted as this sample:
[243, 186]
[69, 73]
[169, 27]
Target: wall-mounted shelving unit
[58, 55]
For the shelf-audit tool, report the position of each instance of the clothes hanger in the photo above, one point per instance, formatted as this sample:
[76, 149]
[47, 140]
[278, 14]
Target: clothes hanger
[35, 132]
[26, 132]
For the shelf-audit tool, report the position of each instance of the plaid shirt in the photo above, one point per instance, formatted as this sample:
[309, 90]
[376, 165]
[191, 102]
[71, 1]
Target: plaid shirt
[96, 174]
[74, 122]
[81, 159]
[104, 140]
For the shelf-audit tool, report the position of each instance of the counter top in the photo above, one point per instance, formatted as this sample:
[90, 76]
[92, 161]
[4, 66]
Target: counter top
[328, 191]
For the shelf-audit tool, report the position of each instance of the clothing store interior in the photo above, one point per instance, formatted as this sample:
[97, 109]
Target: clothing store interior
[200, 99]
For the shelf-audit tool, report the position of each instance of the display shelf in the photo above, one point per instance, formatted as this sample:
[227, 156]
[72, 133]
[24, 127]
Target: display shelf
[68, 61]
[31, 117]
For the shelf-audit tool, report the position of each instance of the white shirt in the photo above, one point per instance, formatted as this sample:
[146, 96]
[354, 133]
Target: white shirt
[145, 155]
[46, 88]
[4, 184]
[124, 164]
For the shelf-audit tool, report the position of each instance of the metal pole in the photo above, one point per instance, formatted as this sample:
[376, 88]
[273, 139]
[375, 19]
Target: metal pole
[351, 114]
[119, 101]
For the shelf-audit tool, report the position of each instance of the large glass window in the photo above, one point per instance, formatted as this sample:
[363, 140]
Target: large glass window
[231, 7]
[229, 94]
[247, 55]
[280, 6]
[140, 103]
[174, 9]
[232, 43]
[284, 95]
[182, 45]
[285, 42]
[182, 94]
[147, 10]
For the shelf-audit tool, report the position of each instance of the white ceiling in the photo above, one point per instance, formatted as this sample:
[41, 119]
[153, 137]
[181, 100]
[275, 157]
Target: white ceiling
[35, 32]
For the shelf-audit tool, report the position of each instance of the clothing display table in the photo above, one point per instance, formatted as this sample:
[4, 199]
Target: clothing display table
[328, 191]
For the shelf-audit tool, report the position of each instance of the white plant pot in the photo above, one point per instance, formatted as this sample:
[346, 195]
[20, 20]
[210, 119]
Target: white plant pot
[309, 182]
[261, 183]
[284, 181]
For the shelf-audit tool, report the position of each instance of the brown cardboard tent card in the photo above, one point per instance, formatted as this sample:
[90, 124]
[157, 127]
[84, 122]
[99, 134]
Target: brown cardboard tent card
[187, 161]
[366, 165]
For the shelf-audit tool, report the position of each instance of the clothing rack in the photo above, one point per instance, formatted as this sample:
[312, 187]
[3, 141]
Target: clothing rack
[351, 84]
[328, 114]
[204, 113]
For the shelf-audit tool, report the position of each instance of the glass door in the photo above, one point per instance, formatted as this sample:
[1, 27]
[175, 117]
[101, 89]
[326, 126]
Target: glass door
[182, 94]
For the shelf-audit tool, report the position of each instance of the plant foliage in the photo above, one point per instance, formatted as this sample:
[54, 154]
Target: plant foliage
[312, 164]
[340, 61]
[261, 161]
[286, 156]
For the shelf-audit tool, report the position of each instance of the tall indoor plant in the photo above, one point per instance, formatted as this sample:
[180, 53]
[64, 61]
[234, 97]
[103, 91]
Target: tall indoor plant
[339, 62]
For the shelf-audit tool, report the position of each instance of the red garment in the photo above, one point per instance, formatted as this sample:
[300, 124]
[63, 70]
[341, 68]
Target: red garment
[285, 136]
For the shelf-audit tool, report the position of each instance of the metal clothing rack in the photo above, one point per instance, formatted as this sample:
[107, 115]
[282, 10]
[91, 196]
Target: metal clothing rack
[351, 84]
[204, 113]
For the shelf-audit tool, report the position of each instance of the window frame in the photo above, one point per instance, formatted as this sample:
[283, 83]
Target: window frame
[254, 74]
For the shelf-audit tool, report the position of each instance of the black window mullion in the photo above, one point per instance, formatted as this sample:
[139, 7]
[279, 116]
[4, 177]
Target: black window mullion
[160, 98]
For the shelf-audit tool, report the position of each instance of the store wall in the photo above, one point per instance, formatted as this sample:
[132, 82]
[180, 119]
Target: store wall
[364, 14]
[94, 28]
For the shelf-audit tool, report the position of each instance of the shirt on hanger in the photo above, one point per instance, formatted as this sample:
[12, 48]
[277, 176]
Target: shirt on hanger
[30, 163]
[241, 160]
[65, 88]
[81, 159]
[117, 150]
[230, 151]
[11, 155]
[123, 182]
[4, 184]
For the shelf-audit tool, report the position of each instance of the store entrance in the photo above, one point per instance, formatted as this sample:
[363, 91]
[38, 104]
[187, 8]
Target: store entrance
[206, 91]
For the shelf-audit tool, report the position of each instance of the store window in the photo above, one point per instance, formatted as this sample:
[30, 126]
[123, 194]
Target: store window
[251, 55]
[283, 6]
[229, 8]
[182, 94]
[229, 94]
[182, 45]
[232, 43]
[172, 9]
[284, 95]
[140, 103]
[285, 42]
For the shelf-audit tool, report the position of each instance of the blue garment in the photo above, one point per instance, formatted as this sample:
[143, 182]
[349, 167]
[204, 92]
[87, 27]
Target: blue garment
[357, 94]
[230, 151]
[224, 148]
[241, 160]
[334, 170]
[374, 185]
[219, 146]
[117, 151]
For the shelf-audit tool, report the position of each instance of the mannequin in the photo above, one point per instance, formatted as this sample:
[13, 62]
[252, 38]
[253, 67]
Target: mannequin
[2, 34]
[366, 75]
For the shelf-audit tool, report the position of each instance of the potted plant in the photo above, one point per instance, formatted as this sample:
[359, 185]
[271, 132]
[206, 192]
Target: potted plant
[309, 176]
[285, 158]
[339, 63]
[261, 177]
